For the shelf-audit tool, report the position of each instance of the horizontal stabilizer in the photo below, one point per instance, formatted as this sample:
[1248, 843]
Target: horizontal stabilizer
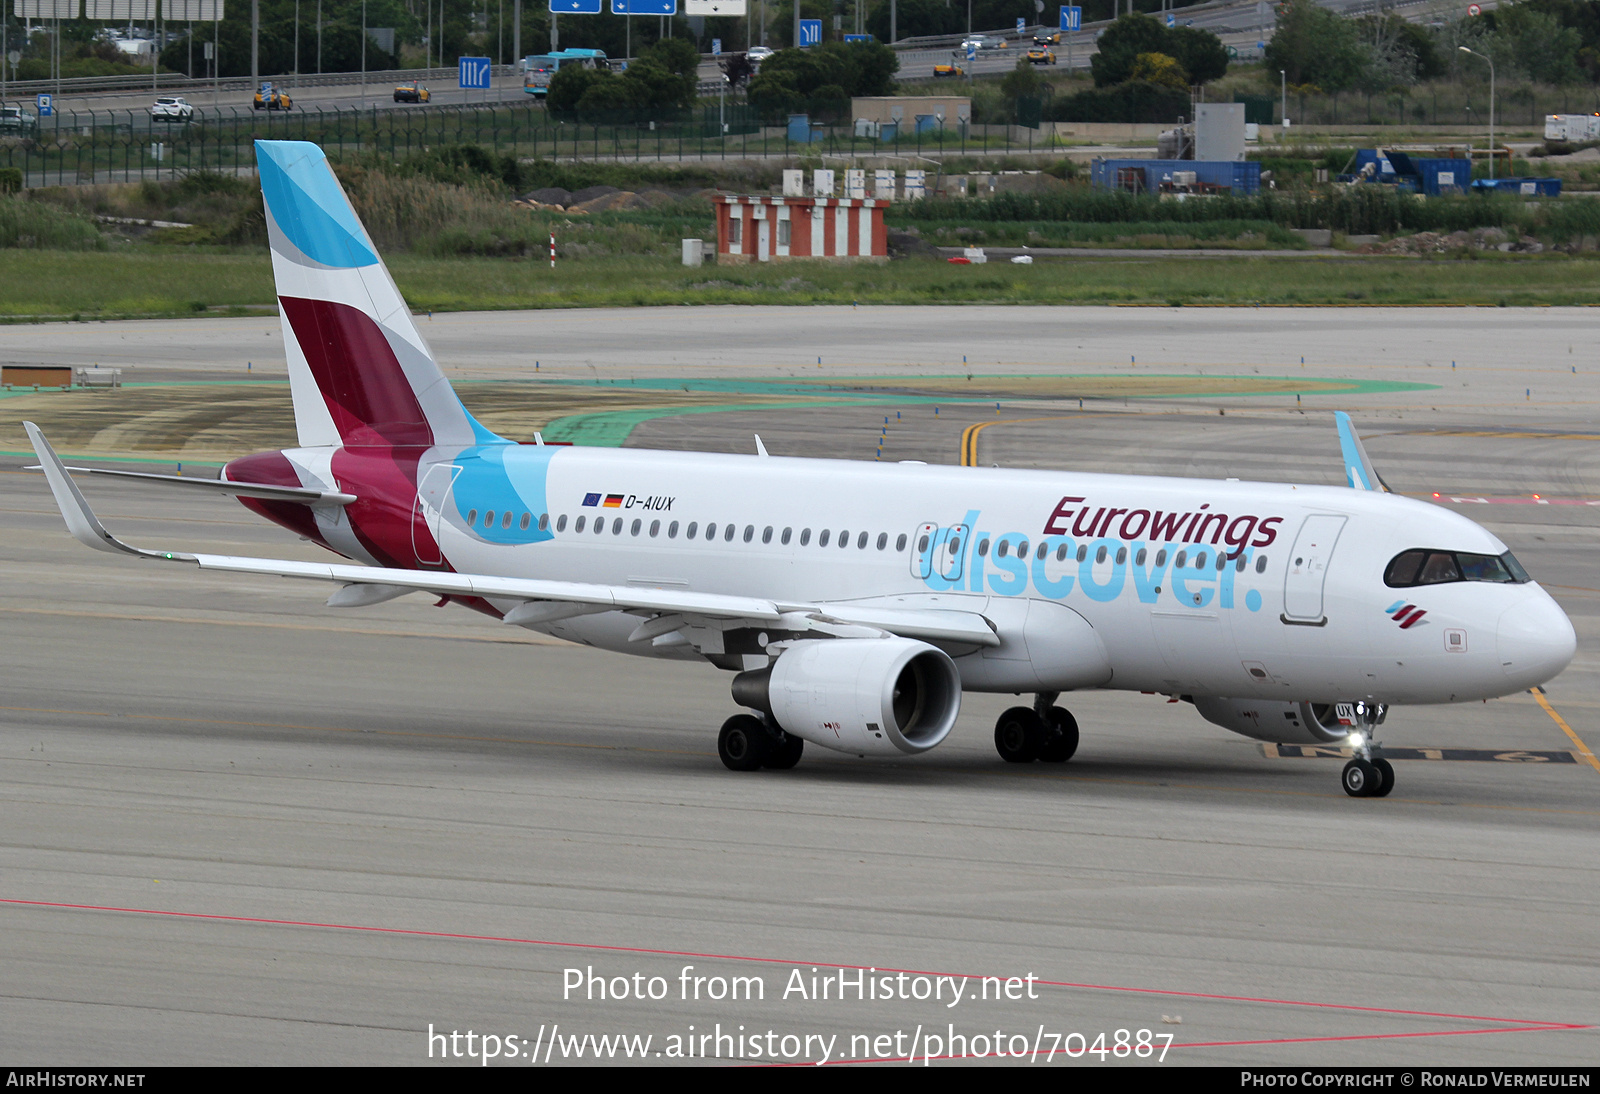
[303, 494]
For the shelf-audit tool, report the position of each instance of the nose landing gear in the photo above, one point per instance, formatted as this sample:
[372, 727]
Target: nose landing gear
[1369, 775]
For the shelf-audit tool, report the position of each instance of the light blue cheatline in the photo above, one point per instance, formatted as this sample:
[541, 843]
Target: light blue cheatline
[309, 207]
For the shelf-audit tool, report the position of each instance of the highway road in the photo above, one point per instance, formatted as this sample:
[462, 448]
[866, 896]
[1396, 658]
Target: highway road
[242, 828]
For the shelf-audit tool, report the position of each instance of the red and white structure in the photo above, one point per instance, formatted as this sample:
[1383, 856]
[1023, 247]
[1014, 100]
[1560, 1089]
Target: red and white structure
[763, 228]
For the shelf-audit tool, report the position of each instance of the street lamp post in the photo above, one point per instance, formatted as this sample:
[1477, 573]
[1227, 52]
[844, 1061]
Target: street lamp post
[1475, 53]
[1283, 112]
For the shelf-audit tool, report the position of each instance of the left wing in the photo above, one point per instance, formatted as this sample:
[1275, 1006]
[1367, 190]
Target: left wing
[541, 600]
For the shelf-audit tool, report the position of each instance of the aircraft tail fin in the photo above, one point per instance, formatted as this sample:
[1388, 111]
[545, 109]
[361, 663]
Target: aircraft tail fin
[1358, 469]
[359, 370]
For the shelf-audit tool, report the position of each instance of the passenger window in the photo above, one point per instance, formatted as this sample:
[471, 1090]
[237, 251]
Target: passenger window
[1022, 549]
[822, 538]
[1138, 559]
[1061, 553]
[655, 528]
[1200, 561]
[1083, 553]
[1044, 549]
[711, 530]
[1100, 555]
[544, 522]
[805, 537]
[766, 534]
[1222, 562]
[900, 543]
[749, 532]
[561, 523]
[844, 540]
[488, 519]
[637, 524]
[883, 540]
[527, 519]
[1239, 566]
[1161, 557]
[727, 533]
[983, 548]
[788, 533]
[861, 542]
[472, 517]
[616, 527]
[1122, 555]
[672, 530]
[505, 519]
[1177, 563]
[1001, 549]
[693, 528]
[922, 545]
[599, 525]
[1261, 564]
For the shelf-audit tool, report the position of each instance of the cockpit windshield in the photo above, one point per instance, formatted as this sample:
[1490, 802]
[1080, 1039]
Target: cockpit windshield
[1421, 566]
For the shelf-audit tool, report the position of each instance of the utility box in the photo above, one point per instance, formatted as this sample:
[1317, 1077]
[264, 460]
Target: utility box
[1219, 131]
[794, 183]
[883, 184]
[822, 182]
[855, 183]
[694, 252]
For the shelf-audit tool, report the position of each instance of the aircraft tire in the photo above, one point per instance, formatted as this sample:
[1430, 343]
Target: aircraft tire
[744, 743]
[1361, 779]
[1019, 735]
[1061, 740]
[1385, 777]
[782, 757]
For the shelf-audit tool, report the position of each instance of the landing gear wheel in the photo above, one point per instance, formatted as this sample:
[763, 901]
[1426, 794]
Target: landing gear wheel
[744, 743]
[1361, 779]
[1061, 736]
[783, 756]
[1019, 735]
[1385, 772]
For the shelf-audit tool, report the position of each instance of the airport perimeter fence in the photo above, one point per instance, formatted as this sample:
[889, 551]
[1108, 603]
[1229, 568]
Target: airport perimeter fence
[1517, 105]
[80, 147]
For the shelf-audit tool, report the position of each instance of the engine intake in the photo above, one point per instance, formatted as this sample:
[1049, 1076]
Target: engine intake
[870, 696]
[1281, 723]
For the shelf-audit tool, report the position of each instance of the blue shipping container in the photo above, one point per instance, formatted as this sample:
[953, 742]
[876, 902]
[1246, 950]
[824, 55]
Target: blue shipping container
[1241, 177]
[1528, 188]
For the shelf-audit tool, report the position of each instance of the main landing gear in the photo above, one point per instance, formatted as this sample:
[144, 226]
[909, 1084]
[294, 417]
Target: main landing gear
[1045, 732]
[1369, 775]
[748, 743]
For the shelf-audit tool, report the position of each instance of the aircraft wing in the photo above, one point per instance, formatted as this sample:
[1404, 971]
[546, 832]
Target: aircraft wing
[381, 583]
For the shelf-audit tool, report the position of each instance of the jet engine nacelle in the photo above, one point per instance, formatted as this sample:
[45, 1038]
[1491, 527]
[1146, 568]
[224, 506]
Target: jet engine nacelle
[1281, 723]
[870, 696]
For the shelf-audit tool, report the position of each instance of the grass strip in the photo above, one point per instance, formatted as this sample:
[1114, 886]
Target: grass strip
[166, 283]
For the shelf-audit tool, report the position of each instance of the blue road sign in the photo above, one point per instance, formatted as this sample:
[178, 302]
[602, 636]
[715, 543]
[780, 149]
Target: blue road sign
[1172, 20]
[858, 37]
[972, 55]
[716, 47]
[1071, 18]
[46, 106]
[810, 32]
[1022, 25]
[474, 73]
[644, 7]
[576, 7]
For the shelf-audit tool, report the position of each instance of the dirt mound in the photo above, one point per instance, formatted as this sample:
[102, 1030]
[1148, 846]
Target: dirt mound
[550, 195]
[589, 193]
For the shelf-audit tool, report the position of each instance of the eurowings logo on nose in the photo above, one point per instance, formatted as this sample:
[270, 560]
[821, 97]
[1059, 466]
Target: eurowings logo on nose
[1407, 615]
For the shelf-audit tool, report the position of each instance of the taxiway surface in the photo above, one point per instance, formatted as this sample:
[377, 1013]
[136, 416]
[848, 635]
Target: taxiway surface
[239, 827]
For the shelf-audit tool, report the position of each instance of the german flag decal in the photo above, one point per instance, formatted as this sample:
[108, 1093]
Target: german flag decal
[613, 501]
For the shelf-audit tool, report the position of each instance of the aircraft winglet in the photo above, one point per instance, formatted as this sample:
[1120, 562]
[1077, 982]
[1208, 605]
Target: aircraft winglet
[81, 521]
[1358, 469]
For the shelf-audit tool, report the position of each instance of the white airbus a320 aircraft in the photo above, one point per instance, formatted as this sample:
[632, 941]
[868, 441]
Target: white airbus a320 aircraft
[857, 601]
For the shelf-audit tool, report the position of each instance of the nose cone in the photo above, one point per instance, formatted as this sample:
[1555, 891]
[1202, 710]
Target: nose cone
[1535, 640]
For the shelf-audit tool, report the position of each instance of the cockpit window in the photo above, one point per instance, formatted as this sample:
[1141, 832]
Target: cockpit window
[1424, 567]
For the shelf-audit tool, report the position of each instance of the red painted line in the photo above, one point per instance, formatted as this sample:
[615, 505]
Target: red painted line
[1474, 499]
[1511, 1024]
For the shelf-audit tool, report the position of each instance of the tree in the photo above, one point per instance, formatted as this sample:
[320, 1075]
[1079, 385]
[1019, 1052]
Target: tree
[1315, 47]
[1538, 44]
[1121, 44]
[1161, 70]
[1201, 53]
[1023, 82]
[567, 88]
